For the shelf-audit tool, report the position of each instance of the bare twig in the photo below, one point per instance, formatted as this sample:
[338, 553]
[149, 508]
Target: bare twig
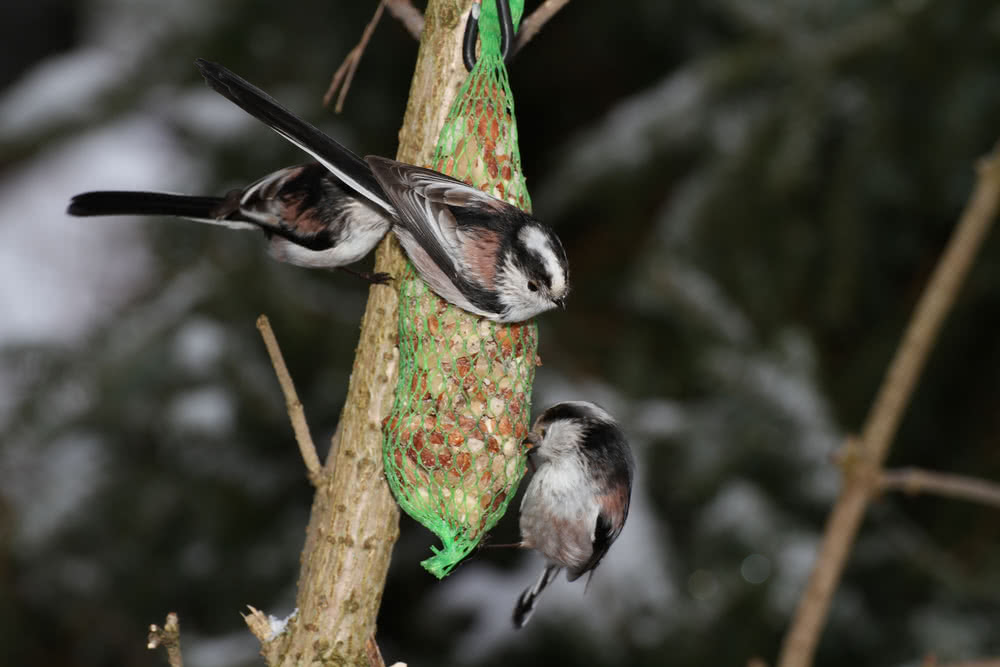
[915, 480]
[936, 301]
[345, 73]
[862, 476]
[532, 24]
[295, 412]
[411, 18]
[169, 637]
[259, 625]
[404, 12]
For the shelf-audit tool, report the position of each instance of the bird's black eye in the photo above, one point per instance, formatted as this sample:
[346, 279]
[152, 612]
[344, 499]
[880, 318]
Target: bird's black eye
[532, 285]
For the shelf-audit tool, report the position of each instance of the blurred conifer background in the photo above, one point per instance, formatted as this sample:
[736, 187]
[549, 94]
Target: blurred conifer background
[752, 196]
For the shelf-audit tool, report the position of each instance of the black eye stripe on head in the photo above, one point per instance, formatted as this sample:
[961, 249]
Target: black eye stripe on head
[533, 267]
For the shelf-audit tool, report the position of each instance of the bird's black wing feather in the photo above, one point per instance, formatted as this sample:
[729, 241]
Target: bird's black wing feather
[346, 164]
[423, 199]
[604, 536]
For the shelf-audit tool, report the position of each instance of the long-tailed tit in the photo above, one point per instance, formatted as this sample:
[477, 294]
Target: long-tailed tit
[577, 501]
[308, 215]
[478, 252]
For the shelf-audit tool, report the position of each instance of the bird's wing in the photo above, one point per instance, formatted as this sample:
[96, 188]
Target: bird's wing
[607, 527]
[456, 224]
[302, 204]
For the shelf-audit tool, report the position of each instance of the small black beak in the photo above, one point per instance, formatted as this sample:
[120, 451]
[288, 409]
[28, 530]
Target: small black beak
[532, 440]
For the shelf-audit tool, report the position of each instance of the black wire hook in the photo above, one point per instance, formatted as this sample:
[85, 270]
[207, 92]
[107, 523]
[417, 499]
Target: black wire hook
[472, 33]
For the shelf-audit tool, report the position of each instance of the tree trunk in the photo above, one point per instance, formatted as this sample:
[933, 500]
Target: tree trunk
[354, 521]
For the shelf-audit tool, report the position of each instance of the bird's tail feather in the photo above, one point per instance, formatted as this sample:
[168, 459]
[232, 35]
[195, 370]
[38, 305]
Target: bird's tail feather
[343, 162]
[115, 202]
[529, 598]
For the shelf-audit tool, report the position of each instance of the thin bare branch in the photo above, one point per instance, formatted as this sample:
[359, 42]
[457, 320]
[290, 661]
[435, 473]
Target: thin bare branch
[345, 73]
[411, 18]
[532, 24]
[295, 412]
[404, 12]
[933, 307]
[915, 480]
[259, 625]
[862, 472]
[169, 637]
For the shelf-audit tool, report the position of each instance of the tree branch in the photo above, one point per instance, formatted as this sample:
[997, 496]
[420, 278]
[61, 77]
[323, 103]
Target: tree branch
[292, 403]
[531, 25]
[354, 521]
[404, 12]
[345, 73]
[260, 626]
[413, 20]
[915, 480]
[374, 655]
[868, 454]
[169, 637]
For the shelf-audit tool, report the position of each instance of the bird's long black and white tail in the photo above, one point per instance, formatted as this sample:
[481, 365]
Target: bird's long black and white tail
[115, 202]
[529, 598]
[344, 163]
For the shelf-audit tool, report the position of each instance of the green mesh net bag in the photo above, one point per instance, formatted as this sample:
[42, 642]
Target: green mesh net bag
[453, 441]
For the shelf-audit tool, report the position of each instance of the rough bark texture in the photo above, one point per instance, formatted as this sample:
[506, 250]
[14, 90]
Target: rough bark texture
[355, 521]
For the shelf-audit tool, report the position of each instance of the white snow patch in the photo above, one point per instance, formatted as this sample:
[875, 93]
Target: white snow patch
[198, 345]
[236, 648]
[658, 418]
[740, 509]
[57, 90]
[59, 275]
[278, 625]
[793, 562]
[949, 633]
[679, 285]
[208, 410]
[204, 112]
[44, 496]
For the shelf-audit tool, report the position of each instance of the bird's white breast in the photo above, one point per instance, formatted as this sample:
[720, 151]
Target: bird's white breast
[558, 514]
